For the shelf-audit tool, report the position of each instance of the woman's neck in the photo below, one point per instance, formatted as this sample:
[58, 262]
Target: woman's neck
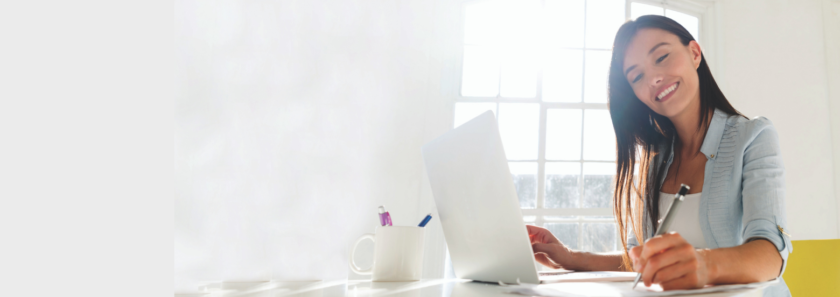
[689, 137]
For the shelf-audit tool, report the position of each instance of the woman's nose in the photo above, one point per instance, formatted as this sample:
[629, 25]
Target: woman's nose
[656, 81]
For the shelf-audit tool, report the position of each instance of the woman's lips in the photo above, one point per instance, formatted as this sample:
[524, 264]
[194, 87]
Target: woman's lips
[676, 87]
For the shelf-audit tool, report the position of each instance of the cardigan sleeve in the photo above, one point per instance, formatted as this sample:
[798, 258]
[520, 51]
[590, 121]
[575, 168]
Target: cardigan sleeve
[631, 240]
[763, 190]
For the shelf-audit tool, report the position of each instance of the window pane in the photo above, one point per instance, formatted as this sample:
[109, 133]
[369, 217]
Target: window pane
[519, 22]
[596, 75]
[519, 73]
[481, 22]
[567, 233]
[599, 237]
[603, 17]
[598, 135]
[481, 72]
[562, 184]
[689, 22]
[560, 218]
[518, 126]
[562, 138]
[640, 9]
[466, 111]
[525, 180]
[562, 75]
[600, 218]
[598, 185]
[563, 23]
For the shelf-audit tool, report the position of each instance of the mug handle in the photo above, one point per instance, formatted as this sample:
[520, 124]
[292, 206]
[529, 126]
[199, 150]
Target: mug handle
[353, 266]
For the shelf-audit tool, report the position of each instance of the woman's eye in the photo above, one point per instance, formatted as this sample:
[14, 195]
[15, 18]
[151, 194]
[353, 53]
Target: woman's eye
[661, 58]
[638, 78]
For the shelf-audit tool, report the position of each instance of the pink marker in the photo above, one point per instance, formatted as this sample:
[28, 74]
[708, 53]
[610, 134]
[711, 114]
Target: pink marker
[384, 217]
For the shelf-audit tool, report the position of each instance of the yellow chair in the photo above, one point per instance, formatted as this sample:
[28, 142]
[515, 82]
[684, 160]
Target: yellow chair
[814, 268]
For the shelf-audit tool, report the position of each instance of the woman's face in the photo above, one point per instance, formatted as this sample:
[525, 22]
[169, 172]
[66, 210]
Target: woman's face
[663, 72]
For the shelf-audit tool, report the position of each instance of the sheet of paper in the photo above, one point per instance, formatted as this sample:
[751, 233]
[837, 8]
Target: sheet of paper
[570, 289]
[554, 272]
[591, 276]
[579, 289]
[656, 290]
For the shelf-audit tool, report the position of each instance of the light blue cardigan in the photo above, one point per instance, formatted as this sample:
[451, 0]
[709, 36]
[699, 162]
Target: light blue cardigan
[743, 193]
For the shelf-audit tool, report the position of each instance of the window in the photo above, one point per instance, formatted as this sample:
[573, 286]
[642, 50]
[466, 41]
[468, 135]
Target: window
[689, 21]
[542, 68]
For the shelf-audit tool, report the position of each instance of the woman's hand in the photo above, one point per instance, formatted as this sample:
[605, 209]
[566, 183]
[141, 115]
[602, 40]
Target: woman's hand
[671, 262]
[548, 250]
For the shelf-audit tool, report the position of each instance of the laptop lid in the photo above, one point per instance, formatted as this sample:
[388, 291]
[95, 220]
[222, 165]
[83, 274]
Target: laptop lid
[477, 204]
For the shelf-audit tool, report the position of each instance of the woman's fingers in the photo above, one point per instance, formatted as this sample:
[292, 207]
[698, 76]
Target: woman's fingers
[544, 248]
[669, 260]
[544, 260]
[534, 234]
[540, 235]
[675, 271]
[544, 254]
[635, 253]
[687, 281]
[656, 266]
[547, 249]
[660, 243]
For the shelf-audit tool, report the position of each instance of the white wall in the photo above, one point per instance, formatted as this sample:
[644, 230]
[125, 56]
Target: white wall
[774, 60]
[297, 118]
[831, 21]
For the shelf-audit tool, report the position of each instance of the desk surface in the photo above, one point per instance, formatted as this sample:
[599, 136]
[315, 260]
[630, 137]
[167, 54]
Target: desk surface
[432, 287]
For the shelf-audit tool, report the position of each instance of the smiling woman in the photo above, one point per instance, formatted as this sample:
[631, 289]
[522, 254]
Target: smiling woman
[673, 122]
[669, 113]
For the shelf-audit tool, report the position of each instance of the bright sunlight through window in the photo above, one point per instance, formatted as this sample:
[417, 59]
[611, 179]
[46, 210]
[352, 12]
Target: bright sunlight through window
[542, 67]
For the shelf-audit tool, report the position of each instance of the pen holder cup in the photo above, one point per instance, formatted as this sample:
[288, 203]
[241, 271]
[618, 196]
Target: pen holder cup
[397, 254]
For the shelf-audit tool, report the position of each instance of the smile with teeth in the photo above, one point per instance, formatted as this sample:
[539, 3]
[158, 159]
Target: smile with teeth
[666, 92]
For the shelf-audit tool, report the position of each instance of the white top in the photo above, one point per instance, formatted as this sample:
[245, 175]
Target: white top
[687, 220]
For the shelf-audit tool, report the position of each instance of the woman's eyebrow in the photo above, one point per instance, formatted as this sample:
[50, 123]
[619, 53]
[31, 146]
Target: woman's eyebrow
[628, 70]
[649, 53]
[656, 46]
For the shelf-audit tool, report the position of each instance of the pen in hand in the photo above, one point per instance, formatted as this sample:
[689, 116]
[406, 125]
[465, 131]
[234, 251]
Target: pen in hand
[666, 221]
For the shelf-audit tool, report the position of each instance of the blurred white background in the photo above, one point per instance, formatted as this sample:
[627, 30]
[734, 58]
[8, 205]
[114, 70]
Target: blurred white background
[296, 119]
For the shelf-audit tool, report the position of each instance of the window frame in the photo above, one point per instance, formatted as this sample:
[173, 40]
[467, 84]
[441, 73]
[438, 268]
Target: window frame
[451, 79]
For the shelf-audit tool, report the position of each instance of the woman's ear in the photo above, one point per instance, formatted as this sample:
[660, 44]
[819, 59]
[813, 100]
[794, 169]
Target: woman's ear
[696, 54]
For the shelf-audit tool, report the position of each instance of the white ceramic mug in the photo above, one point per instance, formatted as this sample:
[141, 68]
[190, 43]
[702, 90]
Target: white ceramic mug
[397, 254]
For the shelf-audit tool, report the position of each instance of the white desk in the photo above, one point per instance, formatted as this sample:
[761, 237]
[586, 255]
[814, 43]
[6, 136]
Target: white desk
[432, 287]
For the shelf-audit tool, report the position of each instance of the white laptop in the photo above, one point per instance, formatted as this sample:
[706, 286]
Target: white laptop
[477, 204]
[479, 210]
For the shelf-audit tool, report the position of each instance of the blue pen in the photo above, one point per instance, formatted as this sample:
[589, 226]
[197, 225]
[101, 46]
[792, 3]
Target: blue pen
[425, 220]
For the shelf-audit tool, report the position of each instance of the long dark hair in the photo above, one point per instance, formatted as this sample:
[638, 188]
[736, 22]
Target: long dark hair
[642, 133]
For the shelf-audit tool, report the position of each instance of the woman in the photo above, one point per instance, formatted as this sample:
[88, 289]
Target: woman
[670, 116]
